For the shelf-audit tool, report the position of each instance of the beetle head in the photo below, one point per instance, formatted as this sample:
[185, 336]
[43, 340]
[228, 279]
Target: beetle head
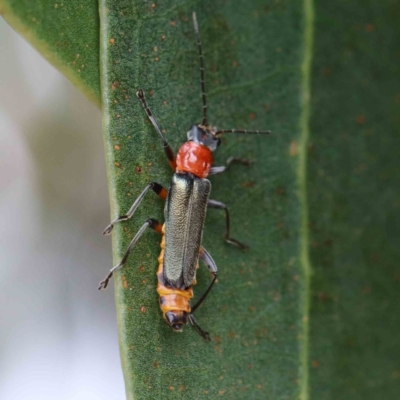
[176, 319]
[204, 135]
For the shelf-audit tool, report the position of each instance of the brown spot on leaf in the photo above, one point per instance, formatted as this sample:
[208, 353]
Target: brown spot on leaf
[293, 148]
[112, 41]
[369, 28]
[143, 309]
[315, 363]
[360, 119]
[116, 147]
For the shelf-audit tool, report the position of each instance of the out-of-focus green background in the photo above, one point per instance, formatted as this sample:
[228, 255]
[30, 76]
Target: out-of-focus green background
[56, 329]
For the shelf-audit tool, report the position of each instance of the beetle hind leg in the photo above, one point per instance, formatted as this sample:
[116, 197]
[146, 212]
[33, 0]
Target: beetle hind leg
[205, 335]
[150, 223]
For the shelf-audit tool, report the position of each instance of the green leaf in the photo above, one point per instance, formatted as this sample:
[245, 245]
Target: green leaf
[66, 33]
[344, 190]
[254, 80]
[354, 200]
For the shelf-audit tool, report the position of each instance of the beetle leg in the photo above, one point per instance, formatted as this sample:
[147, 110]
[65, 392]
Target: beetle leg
[167, 148]
[221, 206]
[150, 223]
[210, 264]
[156, 187]
[218, 170]
[205, 335]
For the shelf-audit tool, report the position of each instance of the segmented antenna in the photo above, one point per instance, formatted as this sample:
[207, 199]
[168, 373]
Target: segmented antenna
[241, 131]
[203, 86]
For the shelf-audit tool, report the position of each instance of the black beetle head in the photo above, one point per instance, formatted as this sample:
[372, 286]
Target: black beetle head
[176, 319]
[204, 135]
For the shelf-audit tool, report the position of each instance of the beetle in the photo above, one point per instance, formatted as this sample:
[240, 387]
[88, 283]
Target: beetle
[185, 210]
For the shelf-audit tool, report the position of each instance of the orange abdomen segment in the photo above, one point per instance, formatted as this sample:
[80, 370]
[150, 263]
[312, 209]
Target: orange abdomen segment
[195, 158]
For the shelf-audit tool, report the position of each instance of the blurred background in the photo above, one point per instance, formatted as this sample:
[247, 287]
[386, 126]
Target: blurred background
[58, 332]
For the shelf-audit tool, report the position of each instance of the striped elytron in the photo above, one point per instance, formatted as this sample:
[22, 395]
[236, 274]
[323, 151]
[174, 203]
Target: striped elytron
[186, 202]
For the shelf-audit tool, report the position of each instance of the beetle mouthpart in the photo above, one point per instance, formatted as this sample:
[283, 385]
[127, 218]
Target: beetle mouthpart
[177, 328]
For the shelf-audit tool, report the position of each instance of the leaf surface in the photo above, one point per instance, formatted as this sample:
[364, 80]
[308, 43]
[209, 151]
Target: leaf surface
[353, 191]
[66, 33]
[254, 81]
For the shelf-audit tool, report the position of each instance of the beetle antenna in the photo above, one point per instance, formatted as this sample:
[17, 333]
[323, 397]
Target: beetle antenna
[203, 86]
[241, 131]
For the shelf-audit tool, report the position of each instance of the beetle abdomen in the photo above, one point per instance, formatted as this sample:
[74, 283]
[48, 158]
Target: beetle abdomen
[171, 299]
[185, 212]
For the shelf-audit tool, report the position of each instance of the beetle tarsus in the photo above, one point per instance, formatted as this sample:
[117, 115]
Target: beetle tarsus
[108, 230]
[104, 283]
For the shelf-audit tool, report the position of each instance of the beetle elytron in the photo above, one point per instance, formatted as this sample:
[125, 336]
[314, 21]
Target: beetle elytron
[186, 202]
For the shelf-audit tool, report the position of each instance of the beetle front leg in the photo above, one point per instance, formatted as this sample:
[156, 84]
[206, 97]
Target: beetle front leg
[218, 170]
[221, 206]
[156, 187]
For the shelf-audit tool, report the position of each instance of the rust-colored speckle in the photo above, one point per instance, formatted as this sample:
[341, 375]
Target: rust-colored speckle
[369, 28]
[232, 335]
[360, 119]
[248, 184]
[163, 37]
[153, 5]
[126, 97]
[252, 308]
[293, 148]
[112, 41]
[367, 290]
[221, 392]
[124, 282]
[235, 63]
[315, 363]
[149, 164]
[250, 366]
[128, 194]
[116, 147]
[141, 269]
[155, 364]
[115, 101]
[243, 389]
[116, 164]
[73, 62]
[130, 183]
[143, 309]
[280, 191]
[322, 296]
[217, 339]
[155, 49]
[150, 93]
[206, 392]
[115, 85]
[139, 170]
[259, 386]
[252, 115]
[172, 23]
[182, 388]
[171, 388]
[144, 281]
[156, 59]
[56, 5]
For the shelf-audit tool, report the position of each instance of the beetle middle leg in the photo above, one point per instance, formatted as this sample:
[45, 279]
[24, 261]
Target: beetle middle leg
[156, 187]
[150, 223]
[221, 206]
